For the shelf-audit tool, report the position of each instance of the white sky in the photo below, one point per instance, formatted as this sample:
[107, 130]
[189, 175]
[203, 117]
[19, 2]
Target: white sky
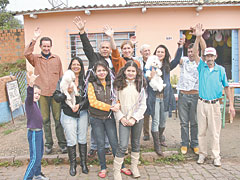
[24, 5]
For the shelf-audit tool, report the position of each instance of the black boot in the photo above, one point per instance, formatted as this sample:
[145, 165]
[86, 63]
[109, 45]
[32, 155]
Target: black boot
[162, 137]
[83, 157]
[72, 160]
[157, 147]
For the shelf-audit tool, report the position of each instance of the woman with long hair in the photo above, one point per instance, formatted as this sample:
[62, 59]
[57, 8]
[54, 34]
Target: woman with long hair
[75, 120]
[130, 89]
[102, 106]
[160, 104]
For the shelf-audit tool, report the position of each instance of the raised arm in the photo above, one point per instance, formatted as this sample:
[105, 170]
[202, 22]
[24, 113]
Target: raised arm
[178, 54]
[110, 32]
[87, 47]
[28, 53]
[198, 32]
[30, 91]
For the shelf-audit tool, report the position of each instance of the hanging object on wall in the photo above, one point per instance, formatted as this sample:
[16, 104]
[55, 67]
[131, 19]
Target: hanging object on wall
[188, 35]
[206, 35]
[229, 42]
[218, 36]
[215, 44]
[221, 43]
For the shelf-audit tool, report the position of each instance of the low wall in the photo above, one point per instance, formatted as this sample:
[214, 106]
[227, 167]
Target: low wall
[5, 113]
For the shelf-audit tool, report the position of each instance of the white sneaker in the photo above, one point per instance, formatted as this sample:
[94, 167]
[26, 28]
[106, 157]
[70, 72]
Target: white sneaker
[201, 159]
[217, 162]
[40, 177]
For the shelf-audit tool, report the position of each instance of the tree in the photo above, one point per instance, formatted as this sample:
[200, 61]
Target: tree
[7, 20]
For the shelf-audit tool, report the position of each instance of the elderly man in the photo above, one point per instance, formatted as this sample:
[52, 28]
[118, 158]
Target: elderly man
[49, 68]
[212, 79]
[103, 55]
[145, 53]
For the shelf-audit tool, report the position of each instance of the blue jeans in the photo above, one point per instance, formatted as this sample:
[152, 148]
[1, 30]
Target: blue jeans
[187, 109]
[75, 129]
[99, 128]
[124, 133]
[93, 145]
[159, 118]
[35, 140]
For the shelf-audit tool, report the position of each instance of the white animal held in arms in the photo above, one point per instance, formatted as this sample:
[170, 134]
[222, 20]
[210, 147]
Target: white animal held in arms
[156, 82]
[67, 81]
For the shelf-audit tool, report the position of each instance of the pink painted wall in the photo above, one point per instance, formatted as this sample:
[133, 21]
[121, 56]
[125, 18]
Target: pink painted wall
[151, 27]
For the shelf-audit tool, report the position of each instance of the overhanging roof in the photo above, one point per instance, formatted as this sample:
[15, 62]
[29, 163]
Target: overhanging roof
[132, 5]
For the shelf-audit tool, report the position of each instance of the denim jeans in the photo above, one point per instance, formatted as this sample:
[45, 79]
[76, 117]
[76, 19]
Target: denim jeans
[35, 140]
[124, 133]
[75, 129]
[99, 127]
[45, 103]
[187, 109]
[93, 145]
[159, 119]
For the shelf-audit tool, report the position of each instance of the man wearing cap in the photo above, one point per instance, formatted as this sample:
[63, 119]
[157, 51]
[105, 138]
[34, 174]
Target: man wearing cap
[212, 79]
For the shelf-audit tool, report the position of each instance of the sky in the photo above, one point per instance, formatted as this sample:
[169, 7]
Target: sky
[24, 5]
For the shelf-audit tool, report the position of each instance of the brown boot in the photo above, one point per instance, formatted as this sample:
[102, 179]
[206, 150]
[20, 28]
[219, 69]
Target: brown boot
[157, 147]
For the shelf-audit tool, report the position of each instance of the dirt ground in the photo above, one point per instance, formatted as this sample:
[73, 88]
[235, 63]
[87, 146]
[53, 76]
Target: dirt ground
[13, 138]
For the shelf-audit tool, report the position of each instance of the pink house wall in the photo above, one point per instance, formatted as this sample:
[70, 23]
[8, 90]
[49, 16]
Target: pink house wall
[152, 27]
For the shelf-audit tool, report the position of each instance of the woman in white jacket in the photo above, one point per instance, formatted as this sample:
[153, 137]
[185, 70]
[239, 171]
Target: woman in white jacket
[130, 85]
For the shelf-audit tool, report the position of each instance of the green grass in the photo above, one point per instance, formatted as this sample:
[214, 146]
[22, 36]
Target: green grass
[17, 163]
[8, 131]
[4, 164]
[57, 161]
[44, 162]
[171, 159]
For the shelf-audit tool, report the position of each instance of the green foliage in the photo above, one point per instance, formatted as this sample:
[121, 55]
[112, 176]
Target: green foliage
[57, 161]
[7, 20]
[44, 162]
[17, 163]
[127, 160]
[6, 68]
[8, 131]
[3, 4]
[4, 164]
[171, 159]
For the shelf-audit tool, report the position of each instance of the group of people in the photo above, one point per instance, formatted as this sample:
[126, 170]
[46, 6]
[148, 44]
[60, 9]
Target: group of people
[115, 90]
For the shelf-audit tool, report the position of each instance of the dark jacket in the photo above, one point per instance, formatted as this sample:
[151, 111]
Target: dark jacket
[81, 100]
[92, 56]
[103, 95]
[168, 95]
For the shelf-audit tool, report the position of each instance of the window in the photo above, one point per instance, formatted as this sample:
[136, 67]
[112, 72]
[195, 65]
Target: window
[95, 40]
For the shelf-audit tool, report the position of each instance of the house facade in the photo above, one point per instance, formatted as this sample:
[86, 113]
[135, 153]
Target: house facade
[153, 23]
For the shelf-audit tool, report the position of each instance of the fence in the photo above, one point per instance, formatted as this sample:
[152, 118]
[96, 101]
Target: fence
[22, 83]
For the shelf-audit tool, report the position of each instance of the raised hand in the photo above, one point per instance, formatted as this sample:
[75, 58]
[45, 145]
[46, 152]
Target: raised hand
[199, 30]
[36, 33]
[31, 77]
[181, 41]
[133, 39]
[80, 24]
[108, 30]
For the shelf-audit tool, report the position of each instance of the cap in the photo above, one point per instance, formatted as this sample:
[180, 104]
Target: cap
[210, 50]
